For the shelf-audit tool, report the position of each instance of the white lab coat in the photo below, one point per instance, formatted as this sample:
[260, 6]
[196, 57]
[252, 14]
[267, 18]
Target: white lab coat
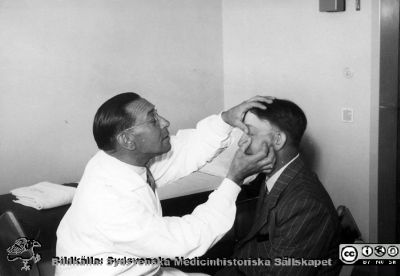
[116, 214]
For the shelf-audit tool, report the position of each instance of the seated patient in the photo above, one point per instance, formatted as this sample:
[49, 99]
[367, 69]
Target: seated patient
[295, 217]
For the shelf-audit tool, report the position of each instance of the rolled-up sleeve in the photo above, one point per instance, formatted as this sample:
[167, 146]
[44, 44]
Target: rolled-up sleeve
[191, 149]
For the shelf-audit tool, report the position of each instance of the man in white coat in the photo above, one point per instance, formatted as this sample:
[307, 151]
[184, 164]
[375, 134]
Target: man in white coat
[116, 217]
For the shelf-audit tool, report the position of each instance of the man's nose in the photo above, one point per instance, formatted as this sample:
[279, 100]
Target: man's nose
[163, 122]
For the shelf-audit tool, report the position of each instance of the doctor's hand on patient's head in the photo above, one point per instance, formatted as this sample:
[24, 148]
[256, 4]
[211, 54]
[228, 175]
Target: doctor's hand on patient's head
[235, 115]
[244, 165]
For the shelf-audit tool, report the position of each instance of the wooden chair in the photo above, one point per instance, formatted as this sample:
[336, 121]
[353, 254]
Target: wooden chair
[349, 233]
[11, 264]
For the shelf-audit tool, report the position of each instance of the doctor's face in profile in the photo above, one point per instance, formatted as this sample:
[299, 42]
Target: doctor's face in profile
[151, 135]
[260, 132]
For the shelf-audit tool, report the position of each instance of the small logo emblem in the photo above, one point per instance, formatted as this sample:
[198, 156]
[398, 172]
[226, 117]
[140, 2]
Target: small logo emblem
[393, 251]
[380, 251]
[23, 249]
[367, 251]
[349, 254]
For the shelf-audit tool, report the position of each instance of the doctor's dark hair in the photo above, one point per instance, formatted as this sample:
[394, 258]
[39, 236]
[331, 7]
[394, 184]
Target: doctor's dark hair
[111, 118]
[287, 116]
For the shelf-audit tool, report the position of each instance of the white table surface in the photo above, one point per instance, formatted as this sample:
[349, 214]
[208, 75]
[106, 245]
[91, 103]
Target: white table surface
[196, 182]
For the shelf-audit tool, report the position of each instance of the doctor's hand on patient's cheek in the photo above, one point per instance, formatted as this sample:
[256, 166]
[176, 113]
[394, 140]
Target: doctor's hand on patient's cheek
[269, 161]
[235, 115]
[244, 165]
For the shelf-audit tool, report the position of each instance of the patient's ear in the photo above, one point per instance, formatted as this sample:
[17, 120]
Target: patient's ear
[280, 139]
[126, 141]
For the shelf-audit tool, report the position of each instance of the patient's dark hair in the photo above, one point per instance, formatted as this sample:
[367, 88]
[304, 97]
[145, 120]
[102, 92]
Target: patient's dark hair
[287, 116]
[111, 118]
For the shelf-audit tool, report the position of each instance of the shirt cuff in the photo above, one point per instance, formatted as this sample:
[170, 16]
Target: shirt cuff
[219, 126]
[224, 125]
[229, 188]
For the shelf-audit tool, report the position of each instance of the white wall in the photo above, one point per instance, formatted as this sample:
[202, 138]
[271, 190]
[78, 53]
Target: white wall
[59, 60]
[289, 49]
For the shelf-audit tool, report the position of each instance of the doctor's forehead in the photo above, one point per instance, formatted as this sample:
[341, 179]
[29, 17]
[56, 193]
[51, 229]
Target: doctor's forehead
[140, 107]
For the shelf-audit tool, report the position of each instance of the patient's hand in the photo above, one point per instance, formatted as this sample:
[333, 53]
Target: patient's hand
[244, 165]
[235, 115]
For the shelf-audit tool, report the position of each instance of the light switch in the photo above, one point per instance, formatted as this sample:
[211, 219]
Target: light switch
[347, 115]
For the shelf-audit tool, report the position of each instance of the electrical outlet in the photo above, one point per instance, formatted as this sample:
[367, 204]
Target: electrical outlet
[347, 115]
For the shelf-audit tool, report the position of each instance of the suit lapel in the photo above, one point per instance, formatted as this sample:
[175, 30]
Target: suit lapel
[267, 202]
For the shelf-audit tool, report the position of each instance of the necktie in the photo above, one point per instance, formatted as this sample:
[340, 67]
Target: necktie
[262, 197]
[266, 186]
[150, 180]
[261, 201]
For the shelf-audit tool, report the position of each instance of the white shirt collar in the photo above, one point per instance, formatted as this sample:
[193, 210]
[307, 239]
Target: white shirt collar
[270, 182]
[141, 171]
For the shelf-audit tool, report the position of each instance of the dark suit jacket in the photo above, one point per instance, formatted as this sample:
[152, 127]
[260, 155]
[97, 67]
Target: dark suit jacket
[297, 219]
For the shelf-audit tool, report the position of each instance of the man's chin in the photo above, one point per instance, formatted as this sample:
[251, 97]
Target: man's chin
[166, 146]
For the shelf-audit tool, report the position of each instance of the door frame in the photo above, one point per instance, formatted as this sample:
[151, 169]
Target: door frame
[389, 128]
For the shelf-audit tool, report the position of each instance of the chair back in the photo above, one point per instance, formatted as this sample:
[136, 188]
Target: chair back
[349, 232]
[11, 263]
